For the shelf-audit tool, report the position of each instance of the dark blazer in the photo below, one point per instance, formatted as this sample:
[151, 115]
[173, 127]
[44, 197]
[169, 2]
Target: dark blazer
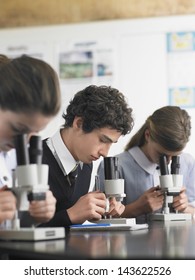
[66, 195]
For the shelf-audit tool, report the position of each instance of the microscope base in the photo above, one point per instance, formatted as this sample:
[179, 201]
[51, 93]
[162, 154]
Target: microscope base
[32, 234]
[120, 221]
[171, 217]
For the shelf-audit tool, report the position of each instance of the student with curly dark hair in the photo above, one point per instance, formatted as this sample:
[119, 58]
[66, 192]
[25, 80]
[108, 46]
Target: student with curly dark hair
[95, 119]
[29, 98]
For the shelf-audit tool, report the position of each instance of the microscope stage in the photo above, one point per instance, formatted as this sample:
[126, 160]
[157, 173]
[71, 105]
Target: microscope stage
[120, 221]
[32, 234]
[171, 217]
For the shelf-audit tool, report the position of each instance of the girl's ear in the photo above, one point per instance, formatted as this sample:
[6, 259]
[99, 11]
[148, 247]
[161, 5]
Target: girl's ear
[147, 135]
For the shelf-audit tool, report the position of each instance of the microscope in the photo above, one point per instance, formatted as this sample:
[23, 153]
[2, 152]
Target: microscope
[30, 182]
[171, 183]
[30, 176]
[114, 187]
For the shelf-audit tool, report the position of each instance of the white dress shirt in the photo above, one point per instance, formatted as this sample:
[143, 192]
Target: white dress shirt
[61, 153]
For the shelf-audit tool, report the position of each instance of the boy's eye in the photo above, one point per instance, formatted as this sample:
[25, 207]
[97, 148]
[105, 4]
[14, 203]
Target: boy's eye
[104, 140]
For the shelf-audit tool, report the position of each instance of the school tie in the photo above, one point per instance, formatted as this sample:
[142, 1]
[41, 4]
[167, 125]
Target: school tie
[72, 175]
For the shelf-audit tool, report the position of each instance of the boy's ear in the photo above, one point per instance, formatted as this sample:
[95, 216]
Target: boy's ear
[78, 122]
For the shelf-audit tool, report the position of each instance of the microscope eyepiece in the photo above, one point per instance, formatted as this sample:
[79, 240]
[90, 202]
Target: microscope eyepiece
[111, 168]
[22, 154]
[35, 149]
[175, 165]
[163, 165]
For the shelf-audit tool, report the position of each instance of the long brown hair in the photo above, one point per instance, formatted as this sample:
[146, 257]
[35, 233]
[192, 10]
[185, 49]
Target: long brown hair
[169, 126]
[28, 85]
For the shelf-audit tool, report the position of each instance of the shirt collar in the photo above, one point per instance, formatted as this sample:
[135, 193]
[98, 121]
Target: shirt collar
[65, 157]
[142, 160]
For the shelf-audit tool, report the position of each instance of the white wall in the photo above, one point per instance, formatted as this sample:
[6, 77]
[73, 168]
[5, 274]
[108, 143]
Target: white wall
[140, 59]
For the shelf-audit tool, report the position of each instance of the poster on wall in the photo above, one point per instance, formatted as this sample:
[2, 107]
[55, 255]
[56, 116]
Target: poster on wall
[181, 69]
[80, 64]
[37, 50]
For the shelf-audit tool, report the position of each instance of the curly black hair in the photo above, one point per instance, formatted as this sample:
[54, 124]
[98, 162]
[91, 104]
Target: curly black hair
[100, 106]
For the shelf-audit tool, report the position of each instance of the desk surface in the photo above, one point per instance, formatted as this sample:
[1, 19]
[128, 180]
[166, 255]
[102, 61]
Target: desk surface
[163, 240]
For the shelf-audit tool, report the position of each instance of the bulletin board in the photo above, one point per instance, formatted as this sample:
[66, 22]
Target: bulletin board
[152, 61]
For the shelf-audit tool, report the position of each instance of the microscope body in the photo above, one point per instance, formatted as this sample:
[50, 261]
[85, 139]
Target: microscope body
[30, 178]
[171, 184]
[30, 182]
[114, 188]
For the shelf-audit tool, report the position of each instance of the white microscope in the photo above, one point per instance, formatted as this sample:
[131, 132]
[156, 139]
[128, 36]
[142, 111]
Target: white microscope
[171, 184]
[114, 187]
[30, 182]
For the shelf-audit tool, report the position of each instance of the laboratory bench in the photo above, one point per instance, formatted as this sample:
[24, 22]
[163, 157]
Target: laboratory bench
[162, 240]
